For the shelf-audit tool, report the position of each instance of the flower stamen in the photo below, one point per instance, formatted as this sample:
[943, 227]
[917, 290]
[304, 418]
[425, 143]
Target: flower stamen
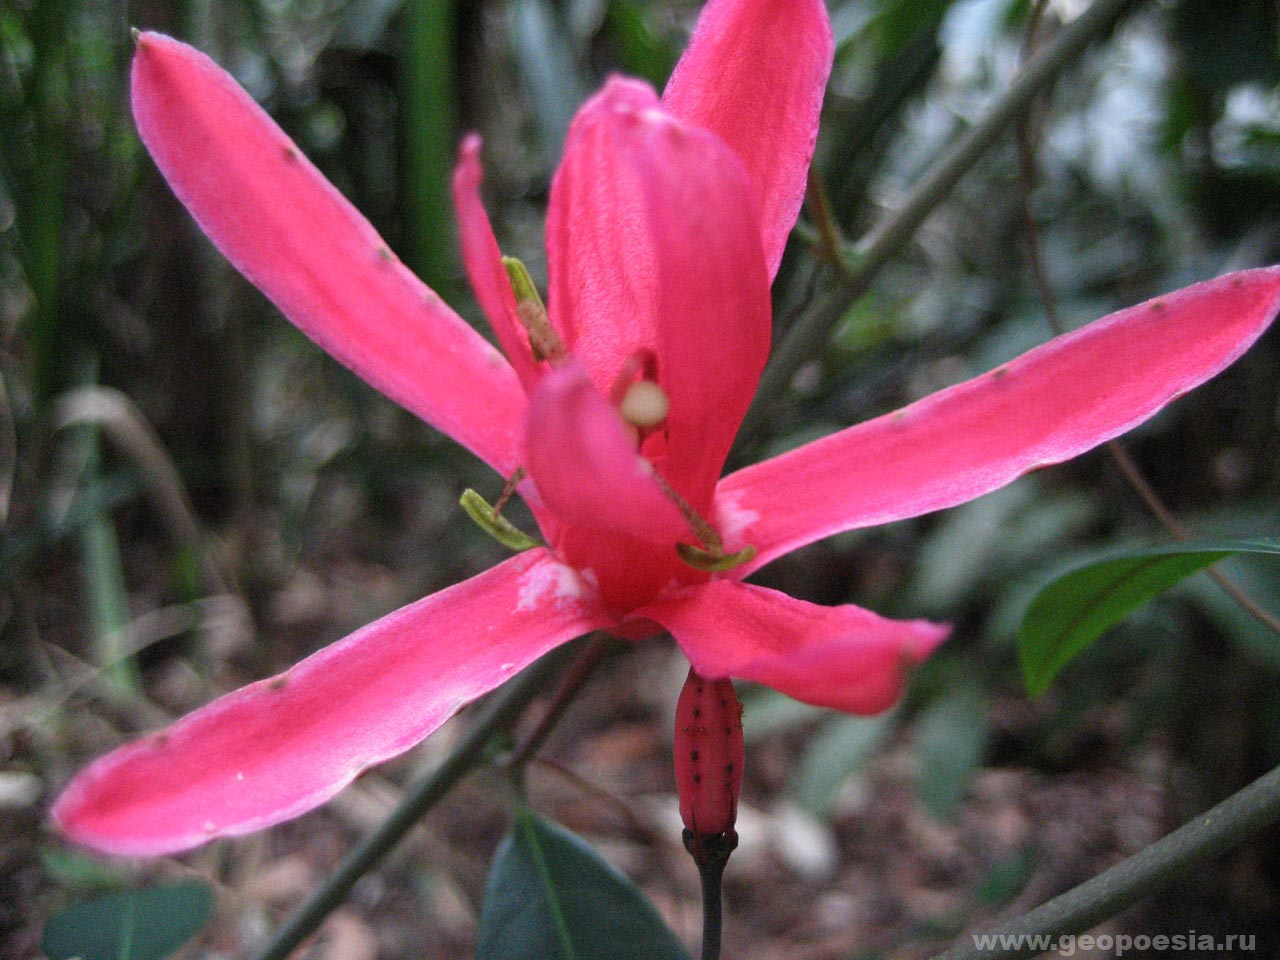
[532, 314]
[710, 556]
[508, 490]
[490, 519]
[711, 560]
[644, 405]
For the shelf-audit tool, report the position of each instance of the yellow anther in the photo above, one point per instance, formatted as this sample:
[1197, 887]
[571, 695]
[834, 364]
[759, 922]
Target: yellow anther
[644, 405]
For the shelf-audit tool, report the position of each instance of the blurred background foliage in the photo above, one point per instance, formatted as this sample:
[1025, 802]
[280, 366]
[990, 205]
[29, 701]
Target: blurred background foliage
[192, 494]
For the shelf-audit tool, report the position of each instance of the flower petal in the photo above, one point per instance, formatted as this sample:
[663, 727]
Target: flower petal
[280, 747]
[299, 241]
[585, 466]
[483, 261]
[602, 285]
[842, 657]
[653, 246]
[754, 74]
[1049, 405]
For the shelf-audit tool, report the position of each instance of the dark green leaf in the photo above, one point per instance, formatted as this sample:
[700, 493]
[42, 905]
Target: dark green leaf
[1077, 607]
[134, 925]
[1006, 877]
[550, 896]
[639, 52]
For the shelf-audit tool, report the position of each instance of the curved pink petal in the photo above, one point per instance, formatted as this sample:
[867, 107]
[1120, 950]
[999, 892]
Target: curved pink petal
[842, 657]
[602, 283]
[653, 246]
[585, 466]
[754, 74]
[1049, 405]
[483, 260]
[278, 748]
[299, 241]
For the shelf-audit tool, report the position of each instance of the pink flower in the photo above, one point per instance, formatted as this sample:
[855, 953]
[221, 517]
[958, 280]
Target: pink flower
[666, 224]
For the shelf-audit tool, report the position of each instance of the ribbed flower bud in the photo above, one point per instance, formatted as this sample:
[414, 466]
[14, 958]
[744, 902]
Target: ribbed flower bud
[709, 755]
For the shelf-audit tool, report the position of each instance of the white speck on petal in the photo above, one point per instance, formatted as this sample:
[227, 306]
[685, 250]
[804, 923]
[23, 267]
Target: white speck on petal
[209, 826]
[551, 583]
[240, 776]
[733, 519]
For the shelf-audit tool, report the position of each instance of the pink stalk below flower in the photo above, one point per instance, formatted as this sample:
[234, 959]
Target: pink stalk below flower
[666, 224]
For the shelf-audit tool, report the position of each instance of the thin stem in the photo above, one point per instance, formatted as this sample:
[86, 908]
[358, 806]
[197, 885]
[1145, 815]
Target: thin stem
[829, 238]
[712, 876]
[1222, 828]
[1119, 454]
[710, 851]
[590, 657]
[1178, 531]
[810, 333]
[497, 716]
[427, 92]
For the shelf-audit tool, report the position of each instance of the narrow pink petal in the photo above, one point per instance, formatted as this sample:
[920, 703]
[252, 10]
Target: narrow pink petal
[585, 466]
[601, 275]
[297, 239]
[278, 748]
[842, 657]
[715, 311]
[1049, 405]
[483, 261]
[654, 246]
[754, 75]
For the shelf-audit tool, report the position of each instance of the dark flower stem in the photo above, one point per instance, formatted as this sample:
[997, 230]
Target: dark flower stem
[710, 851]
[496, 717]
[712, 876]
[1230, 823]
[810, 333]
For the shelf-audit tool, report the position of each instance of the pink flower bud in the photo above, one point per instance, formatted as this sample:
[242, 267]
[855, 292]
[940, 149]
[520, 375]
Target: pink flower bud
[709, 755]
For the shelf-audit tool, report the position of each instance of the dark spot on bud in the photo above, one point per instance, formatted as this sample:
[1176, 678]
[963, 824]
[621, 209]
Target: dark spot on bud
[693, 755]
[279, 683]
[697, 778]
[290, 152]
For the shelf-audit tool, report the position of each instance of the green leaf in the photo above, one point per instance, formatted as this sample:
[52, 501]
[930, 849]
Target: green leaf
[134, 925]
[1076, 608]
[550, 896]
[639, 52]
[839, 748]
[1006, 877]
[951, 737]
